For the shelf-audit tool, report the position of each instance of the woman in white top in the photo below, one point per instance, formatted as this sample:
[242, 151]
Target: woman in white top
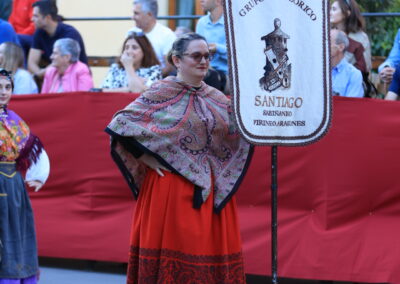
[137, 67]
[12, 59]
[345, 15]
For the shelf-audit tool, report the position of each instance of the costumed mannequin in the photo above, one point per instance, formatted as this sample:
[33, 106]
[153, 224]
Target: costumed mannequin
[20, 151]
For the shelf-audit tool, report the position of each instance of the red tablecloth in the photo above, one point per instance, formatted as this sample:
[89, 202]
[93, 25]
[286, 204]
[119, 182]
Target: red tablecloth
[338, 207]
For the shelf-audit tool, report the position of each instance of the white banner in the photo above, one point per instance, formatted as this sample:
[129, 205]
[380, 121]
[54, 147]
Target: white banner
[280, 71]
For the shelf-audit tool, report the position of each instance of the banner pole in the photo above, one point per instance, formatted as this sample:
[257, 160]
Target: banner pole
[274, 213]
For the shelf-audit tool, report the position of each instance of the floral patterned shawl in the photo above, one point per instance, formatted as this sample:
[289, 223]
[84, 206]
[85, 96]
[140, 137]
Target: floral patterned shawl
[17, 143]
[189, 130]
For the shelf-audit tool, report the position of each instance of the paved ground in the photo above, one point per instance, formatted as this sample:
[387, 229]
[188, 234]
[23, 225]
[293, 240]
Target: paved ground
[62, 271]
[67, 271]
[69, 276]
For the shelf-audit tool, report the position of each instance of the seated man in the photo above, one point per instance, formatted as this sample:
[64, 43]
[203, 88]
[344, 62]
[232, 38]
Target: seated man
[160, 36]
[48, 31]
[346, 79]
[7, 33]
[387, 68]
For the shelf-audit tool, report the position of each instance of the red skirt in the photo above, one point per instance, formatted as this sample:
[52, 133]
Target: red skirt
[173, 243]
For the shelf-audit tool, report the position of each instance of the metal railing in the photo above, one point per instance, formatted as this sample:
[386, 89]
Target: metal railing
[194, 17]
[175, 17]
[394, 14]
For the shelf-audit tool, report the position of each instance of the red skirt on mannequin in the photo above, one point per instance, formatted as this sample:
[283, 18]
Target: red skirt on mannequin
[171, 242]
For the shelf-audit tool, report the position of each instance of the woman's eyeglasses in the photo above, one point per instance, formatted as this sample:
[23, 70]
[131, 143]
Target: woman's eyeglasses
[197, 56]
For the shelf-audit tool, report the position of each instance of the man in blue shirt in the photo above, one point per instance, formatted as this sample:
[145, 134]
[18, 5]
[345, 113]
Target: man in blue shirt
[212, 27]
[7, 32]
[49, 30]
[346, 79]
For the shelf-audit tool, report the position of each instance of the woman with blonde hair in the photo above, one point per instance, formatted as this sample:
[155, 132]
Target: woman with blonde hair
[12, 59]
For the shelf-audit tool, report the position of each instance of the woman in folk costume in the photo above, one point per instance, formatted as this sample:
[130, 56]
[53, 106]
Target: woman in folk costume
[20, 151]
[178, 144]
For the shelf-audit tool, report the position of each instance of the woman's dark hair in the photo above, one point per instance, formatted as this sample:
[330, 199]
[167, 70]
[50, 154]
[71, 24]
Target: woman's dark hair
[180, 45]
[8, 75]
[149, 55]
[354, 21]
[47, 7]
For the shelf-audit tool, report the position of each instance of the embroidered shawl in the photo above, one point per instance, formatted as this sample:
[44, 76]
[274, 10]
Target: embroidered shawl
[189, 130]
[17, 143]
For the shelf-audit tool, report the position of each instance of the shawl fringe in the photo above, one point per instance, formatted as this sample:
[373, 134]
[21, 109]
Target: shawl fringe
[30, 153]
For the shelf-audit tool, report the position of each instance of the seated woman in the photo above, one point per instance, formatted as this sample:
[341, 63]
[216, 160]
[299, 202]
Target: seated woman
[137, 67]
[345, 15]
[66, 73]
[12, 59]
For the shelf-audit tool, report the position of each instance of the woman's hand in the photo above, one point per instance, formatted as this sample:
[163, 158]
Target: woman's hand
[127, 60]
[386, 74]
[37, 185]
[152, 163]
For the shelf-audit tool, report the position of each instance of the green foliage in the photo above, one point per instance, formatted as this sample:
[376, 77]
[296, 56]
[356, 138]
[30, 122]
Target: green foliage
[376, 5]
[381, 30]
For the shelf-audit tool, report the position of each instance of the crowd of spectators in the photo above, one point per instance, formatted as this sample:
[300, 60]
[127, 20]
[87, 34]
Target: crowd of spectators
[36, 27]
[345, 15]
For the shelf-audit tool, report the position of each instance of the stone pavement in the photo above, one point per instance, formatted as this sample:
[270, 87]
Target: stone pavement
[72, 271]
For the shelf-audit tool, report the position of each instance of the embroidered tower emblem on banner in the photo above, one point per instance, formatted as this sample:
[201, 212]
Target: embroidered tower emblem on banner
[279, 73]
[277, 68]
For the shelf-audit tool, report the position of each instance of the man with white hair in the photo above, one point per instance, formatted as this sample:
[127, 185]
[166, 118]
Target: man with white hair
[161, 37]
[346, 79]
